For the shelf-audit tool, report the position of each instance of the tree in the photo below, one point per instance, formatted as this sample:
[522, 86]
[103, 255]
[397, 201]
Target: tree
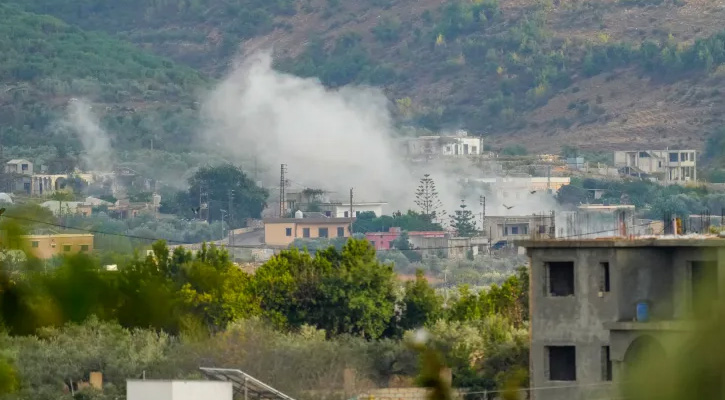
[421, 304]
[402, 243]
[426, 197]
[224, 185]
[463, 221]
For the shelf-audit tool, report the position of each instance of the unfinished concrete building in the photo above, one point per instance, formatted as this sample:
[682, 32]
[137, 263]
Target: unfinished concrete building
[596, 303]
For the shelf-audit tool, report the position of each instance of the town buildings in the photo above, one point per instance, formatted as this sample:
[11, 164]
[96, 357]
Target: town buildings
[669, 166]
[595, 303]
[281, 232]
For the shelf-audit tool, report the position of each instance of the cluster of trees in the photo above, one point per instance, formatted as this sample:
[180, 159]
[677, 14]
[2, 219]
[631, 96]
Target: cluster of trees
[655, 199]
[336, 293]
[229, 193]
[410, 221]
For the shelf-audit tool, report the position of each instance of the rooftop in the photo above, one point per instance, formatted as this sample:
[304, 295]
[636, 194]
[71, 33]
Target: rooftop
[644, 241]
[58, 235]
[307, 220]
[17, 161]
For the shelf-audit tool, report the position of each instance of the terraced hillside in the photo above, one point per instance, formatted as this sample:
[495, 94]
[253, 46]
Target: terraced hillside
[594, 74]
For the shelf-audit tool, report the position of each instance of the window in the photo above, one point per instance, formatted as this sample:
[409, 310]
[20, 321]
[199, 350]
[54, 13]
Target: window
[347, 214]
[34, 244]
[659, 164]
[606, 364]
[66, 247]
[340, 232]
[683, 156]
[674, 157]
[372, 242]
[84, 247]
[514, 230]
[322, 232]
[474, 150]
[288, 231]
[24, 167]
[604, 276]
[562, 363]
[306, 232]
[704, 281]
[328, 213]
[357, 214]
[560, 280]
[643, 154]
[525, 229]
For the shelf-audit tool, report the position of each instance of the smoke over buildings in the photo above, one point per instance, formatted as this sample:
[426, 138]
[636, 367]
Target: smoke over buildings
[97, 152]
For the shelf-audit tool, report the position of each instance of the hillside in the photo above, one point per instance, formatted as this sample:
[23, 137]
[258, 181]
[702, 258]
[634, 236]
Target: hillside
[594, 74]
[45, 62]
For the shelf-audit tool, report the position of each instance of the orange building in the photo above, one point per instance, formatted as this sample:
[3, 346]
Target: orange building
[47, 246]
[283, 231]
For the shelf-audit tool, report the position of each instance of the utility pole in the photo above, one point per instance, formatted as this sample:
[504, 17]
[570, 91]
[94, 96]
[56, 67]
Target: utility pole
[222, 213]
[203, 202]
[482, 200]
[351, 214]
[548, 179]
[231, 218]
[282, 183]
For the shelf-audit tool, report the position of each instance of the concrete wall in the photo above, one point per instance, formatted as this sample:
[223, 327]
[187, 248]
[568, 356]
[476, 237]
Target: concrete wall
[47, 246]
[178, 390]
[275, 233]
[592, 318]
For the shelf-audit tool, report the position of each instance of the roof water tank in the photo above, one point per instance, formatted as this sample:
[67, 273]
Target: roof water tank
[298, 214]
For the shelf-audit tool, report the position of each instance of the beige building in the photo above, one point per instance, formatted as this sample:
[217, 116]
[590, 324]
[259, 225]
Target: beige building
[283, 231]
[672, 166]
[47, 246]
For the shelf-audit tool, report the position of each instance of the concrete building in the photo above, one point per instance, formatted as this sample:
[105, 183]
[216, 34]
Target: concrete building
[283, 231]
[342, 210]
[47, 246]
[19, 166]
[588, 302]
[459, 144]
[671, 166]
[178, 390]
[518, 227]
[517, 188]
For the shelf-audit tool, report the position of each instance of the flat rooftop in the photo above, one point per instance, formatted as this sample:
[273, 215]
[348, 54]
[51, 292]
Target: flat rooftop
[660, 241]
[323, 220]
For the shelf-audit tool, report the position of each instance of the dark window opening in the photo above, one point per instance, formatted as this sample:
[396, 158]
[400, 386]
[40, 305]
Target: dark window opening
[606, 364]
[340, 232]
[514, 230]
[322, 232]
[288, 231]
[347, 214]
[35, 243]
[604, 270]
[561, 278]
[562, 363]
[328, 213]
[704, 281]
[84, 247]
[674, 157]
[66, 247]
[306, 232]
[643, 154]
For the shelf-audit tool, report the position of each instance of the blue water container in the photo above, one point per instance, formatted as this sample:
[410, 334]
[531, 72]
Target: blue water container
[643, 311]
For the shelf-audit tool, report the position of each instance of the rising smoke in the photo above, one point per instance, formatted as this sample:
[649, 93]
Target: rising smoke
[332, 139]
[97, 152]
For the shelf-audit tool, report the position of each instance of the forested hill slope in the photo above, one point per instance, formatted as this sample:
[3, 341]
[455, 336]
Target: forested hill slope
[45, 62]
[599, 74]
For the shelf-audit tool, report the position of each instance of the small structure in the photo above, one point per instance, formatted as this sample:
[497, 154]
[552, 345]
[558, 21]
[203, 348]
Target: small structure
[459, 144]
[19, 166]
[47, 246]
[178, 390]
[281, 232]
[518, 227]
[342, 210]
[243, 384]
[632, 292]
[668, 166]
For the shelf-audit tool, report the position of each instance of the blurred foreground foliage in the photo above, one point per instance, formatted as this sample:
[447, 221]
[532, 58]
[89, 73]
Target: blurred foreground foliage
[301, 315]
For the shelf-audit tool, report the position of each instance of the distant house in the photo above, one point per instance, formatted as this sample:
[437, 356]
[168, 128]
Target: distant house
[518, 227]
[282, 232]
[671, 166]
[459, 144]
[68, 207]
[47, 246]
[342, 210]
[19, 166]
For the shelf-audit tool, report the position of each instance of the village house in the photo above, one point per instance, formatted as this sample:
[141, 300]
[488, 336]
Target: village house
[668, 166]
[47, 246]
[281, 232]
[459, 144]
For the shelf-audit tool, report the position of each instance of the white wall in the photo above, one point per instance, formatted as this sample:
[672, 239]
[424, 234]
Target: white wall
[178, 390]
[339, 211]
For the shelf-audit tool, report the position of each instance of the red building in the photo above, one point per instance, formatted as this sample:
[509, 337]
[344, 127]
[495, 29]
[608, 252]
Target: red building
[382, 240]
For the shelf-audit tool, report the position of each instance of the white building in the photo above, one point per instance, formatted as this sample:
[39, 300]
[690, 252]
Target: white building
[19, 166]
[178, 390]
[342, 210]
[673, 166]
[459, 144]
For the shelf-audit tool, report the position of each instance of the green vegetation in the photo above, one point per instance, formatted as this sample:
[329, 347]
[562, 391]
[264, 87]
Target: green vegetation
[410, 221]
[46, 62]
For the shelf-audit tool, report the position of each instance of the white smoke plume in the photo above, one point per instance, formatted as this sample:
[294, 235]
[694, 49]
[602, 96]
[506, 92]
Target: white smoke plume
[332, 139]
[97, 152]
